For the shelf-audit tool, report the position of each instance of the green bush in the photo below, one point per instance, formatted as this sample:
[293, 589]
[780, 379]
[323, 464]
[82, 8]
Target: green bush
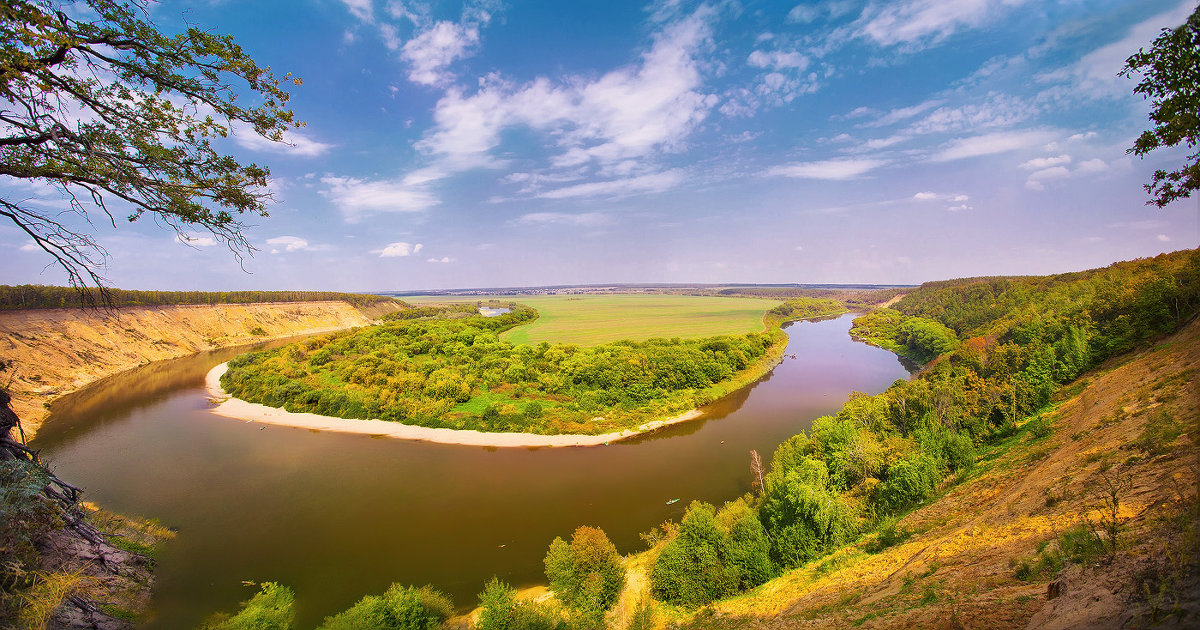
[803, 516]
[500, 610]
[399, 608]
[712, 556]
[25, 516]
[269, 609]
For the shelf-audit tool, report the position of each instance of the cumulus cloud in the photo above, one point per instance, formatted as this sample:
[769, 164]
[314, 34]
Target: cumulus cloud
[631, 112]
[1164, 238]
[400, 249]
[925, 196]
[443, 260]
[837, 169]
[431, 52]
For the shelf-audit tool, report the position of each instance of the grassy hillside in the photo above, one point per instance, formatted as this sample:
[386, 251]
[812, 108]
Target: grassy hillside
[589, 320]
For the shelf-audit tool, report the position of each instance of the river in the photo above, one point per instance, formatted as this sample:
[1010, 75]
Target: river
[338, 516]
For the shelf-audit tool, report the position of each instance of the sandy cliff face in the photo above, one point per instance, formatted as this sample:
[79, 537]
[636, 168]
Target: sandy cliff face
[57, 351]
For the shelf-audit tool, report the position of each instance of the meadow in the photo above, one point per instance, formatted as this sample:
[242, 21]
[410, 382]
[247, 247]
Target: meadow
[589, 320]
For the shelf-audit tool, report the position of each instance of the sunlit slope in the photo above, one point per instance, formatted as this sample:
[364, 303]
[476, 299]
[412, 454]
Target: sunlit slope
[589, 320]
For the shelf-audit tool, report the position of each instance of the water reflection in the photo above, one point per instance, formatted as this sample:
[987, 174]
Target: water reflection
[336, 516]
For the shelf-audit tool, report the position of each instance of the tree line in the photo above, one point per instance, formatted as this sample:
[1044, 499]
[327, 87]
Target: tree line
[30, 296]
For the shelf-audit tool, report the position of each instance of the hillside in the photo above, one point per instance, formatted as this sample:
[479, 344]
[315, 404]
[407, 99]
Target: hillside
[987, 553]
[57, 351]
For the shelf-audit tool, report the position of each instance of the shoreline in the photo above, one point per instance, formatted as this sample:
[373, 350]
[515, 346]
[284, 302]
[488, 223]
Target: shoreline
[230, 407]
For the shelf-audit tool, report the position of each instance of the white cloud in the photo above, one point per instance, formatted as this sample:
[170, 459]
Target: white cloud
[400, 249]
[777, 59]
[1046, 162]
[989, 144]
[921, 23]
[30, 247]
[443, 260]
[1095, 75]
[361, 9]
[1092, 166]
[925, 196]
[961, 207]
[293, 244]
[436, 48]
[587, 219]
[798, 248]
[357, 197]
[838, 169]
[996, 111]
[642, 184]
[627, 113]
[294, 142]
[1164, 238]
[897, 115]
[196, 241]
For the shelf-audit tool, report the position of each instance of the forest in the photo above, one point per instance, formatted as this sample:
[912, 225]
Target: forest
[446, 367]
[27, 296]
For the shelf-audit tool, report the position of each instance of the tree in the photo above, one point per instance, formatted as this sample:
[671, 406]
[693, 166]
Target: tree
[1170, 74]
[120, 118]
[586, 575]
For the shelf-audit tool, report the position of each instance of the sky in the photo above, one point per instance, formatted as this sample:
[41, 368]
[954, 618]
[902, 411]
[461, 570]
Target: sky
[489, 143]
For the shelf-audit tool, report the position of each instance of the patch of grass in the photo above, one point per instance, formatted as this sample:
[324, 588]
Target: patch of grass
[1038, 427]
[929, 596]
[1075, 545]
[589, 320]
[1161, 430]
[49, 590]
[890, 534]
[116, 612]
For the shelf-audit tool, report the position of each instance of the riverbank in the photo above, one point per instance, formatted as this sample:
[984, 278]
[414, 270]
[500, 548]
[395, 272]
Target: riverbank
[56, 352]
[230, 407]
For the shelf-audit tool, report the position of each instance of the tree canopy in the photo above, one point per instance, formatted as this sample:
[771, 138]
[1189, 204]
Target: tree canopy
[1170, 73]
[121, 119]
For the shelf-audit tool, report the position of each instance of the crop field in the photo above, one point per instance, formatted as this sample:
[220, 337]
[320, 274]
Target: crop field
[588, 320]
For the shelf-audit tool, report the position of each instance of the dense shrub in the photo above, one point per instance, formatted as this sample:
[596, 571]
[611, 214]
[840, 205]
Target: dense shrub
[269, 609]
[712, 556]
[399, 608]
[803, 516]
[500, 610]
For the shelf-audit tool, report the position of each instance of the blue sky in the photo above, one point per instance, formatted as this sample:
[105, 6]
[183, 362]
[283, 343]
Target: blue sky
[492, 143]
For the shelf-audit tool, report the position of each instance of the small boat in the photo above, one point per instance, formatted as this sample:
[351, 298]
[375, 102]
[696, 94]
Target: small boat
[672, 501]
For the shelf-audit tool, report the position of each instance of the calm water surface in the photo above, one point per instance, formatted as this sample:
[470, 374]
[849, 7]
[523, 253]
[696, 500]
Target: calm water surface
[338, 516]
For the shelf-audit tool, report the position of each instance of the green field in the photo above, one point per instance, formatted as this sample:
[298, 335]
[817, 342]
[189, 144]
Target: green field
[588, 320]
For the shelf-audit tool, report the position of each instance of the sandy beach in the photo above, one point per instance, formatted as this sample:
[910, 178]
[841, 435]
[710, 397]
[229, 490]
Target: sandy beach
[236, 408]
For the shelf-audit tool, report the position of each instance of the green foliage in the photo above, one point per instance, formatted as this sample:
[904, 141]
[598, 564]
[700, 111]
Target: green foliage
[269, 609]
[803, 516]
[918, 338]
[713, 555]
[25, 516]
[458, 373]
[1075, 545]
[586, 575]
[399, 608]
[889, 533]
[500, 610]
[909, 481]
[807, 308]
[1170, 72]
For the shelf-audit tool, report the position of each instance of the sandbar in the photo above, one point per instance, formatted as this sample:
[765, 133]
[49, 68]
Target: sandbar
[231, 407]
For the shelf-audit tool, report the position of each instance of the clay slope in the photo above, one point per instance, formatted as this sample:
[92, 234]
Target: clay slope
[1132, 426]
[57, 351]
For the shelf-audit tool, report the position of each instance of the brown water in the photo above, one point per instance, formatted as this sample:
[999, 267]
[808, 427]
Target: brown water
[339, 516]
